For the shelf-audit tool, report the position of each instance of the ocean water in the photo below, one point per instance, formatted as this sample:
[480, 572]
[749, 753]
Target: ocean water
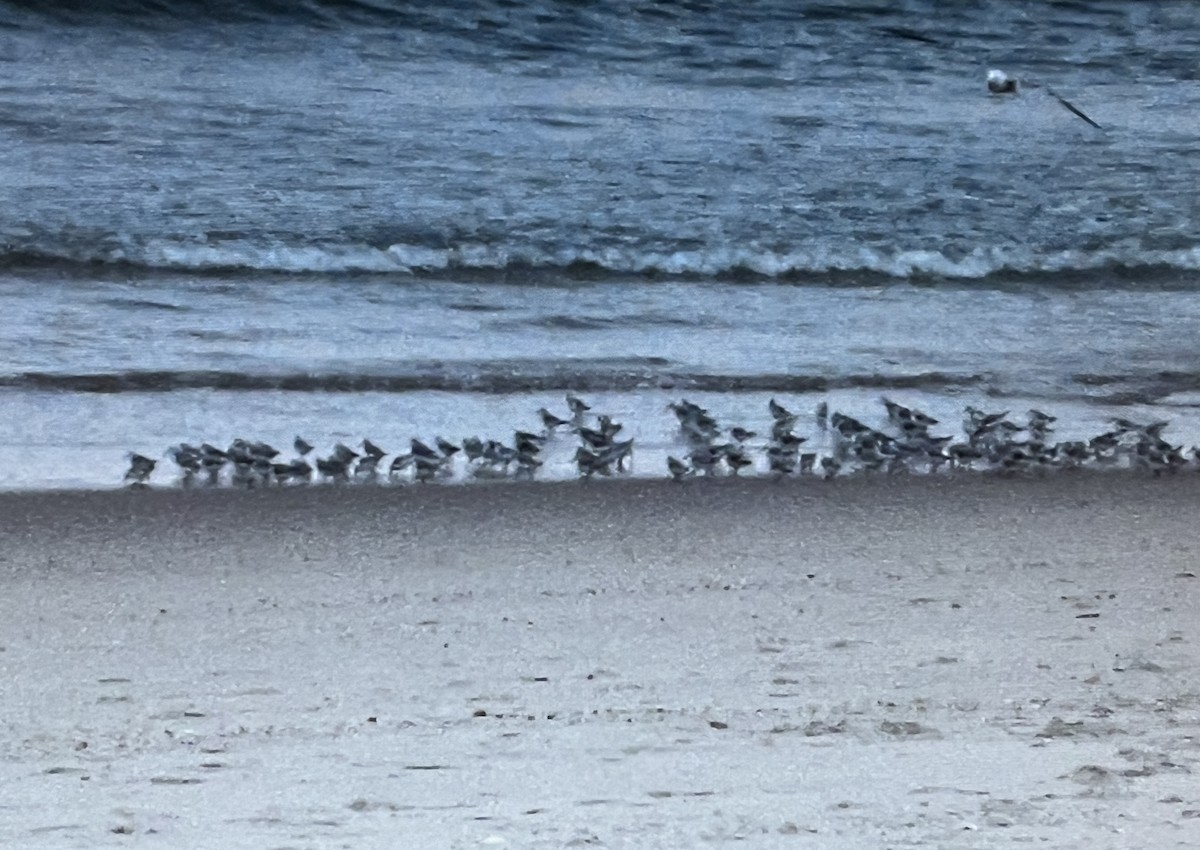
[349, 219]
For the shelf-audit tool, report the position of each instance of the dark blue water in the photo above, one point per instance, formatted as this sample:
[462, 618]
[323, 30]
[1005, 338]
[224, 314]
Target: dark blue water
[261, 207]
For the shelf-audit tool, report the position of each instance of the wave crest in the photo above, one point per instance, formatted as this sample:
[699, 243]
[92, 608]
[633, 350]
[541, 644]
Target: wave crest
[501, 261]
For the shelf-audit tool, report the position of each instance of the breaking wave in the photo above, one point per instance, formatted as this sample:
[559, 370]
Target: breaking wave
[1120, 261]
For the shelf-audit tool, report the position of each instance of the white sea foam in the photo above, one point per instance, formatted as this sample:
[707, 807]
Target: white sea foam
[715, 262]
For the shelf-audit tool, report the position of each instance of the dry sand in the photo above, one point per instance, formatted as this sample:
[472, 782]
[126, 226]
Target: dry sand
[974, 662]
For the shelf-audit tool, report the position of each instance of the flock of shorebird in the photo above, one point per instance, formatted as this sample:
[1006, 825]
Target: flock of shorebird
[250, 464]
[990, 441]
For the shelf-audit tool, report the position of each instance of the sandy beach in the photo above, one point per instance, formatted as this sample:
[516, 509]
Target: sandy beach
[967, 662]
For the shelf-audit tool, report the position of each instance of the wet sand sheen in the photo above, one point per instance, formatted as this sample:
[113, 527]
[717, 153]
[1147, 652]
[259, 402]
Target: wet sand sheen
[965, 661]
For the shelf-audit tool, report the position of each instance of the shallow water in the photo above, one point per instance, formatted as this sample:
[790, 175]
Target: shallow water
[317, 212]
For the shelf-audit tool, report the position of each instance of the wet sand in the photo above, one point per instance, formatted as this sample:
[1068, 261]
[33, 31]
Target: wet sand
[968, 662]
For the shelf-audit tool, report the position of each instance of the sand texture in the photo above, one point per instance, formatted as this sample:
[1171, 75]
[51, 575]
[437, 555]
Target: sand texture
[958, 663]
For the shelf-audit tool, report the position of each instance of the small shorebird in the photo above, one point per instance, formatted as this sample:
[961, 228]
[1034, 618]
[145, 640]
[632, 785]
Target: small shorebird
[1104, 446]
[595, 439]
[260, 450]
[578, 408]
[781, 429]
[302, 446]
[334, 468]
[239, 453]
[550, 421]
[140, 468]
[1016, 459]
[1040, 425]
[527, 465]
[608, 428]
[425, 469]
[974, 419]
[705, 459]
[898, 414]
[736, 458]
[696, 434]
[372, 450]
[367, 467]
[616, 453]
[526, 446]
[498, 454]
[791, 441]
[589, 464]
[741, 434]
[529, 437]
[472, 448]
[188, 458]
[781, 460]
[343, 454]
[779, 412]
[1126, 425]
[695, 423]
[399, 464]
[1155, 429]
[693, 414]
[419, 449]
[212, 460]
[914, 431]
[678, 469]
[298, 469]
[848, 426]
[1075, 453]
